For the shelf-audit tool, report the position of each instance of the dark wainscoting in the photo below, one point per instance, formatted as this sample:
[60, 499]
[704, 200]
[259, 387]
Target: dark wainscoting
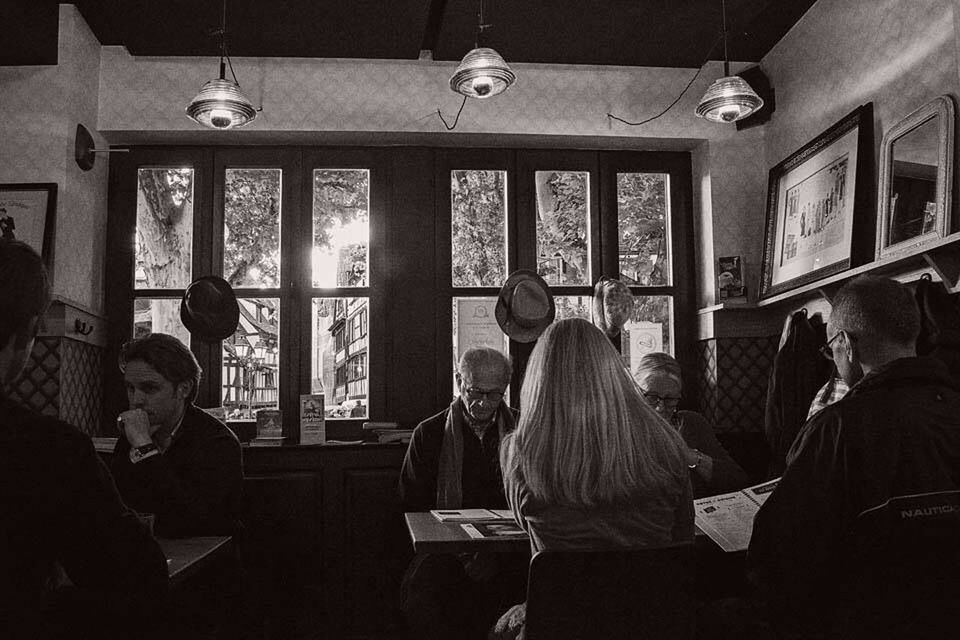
[325, 545]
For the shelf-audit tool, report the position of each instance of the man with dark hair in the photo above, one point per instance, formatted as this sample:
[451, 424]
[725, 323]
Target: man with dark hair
[173, 459]
[860, 536]
[61, 519]
[453, 462]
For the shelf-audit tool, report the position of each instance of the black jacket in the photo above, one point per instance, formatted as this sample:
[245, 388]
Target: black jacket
[60, 509]
[895, 433]
[194, 488]
[798, 371]
[482, 480]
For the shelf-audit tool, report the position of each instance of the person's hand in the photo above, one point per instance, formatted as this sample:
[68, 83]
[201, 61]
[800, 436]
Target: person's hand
[135, 426]
[699, 463]
[481, 567]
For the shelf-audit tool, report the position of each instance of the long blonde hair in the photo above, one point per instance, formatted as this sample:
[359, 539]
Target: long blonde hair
[585, 435]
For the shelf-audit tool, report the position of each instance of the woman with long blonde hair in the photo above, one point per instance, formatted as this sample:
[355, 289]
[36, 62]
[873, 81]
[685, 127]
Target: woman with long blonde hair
[591, 464]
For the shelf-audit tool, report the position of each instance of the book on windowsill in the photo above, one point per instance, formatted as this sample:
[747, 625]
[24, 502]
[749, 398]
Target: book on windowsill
[728, 517]
[269, 441]
[471, 515]
[394, 435]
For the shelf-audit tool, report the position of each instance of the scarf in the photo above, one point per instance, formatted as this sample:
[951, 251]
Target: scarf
[450, 468]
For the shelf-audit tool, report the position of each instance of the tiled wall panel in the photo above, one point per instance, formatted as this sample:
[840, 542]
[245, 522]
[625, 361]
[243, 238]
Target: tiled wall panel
[63, 379]
[732, 376]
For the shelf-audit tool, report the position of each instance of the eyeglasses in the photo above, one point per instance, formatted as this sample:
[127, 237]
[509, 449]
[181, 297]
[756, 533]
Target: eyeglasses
[826, 351]
[474, 394]
[654, 399]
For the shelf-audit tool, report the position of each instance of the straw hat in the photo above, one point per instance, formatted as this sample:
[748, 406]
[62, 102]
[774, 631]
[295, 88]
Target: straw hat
[209, 309]
[525, 306]
[612, 306]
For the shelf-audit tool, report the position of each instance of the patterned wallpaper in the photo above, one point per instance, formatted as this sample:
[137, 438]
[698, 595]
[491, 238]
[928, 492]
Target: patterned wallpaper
[40, 107]
[896, 54]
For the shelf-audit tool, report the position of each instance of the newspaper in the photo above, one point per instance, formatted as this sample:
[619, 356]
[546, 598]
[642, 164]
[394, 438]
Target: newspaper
[464, 515]
[728, 518]
[500, 529]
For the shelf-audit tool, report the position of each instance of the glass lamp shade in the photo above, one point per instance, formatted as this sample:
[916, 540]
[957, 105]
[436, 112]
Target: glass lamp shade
[727, 100]
[482, 74]
[221, 105]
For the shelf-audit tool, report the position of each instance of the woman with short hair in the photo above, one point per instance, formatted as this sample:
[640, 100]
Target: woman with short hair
[712, 470]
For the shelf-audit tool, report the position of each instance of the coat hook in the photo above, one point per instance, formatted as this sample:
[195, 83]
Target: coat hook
[82, 328]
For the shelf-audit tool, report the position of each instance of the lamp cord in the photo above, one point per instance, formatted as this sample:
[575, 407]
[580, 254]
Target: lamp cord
[676, 100]
[636, 124]
[455, 120]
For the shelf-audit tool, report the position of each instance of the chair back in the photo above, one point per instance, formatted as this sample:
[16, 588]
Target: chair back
[640, 594]
[906, 568]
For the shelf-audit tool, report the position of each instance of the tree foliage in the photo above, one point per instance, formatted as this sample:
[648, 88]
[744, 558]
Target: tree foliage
[251, 227]
[478, 220]
[164, 238]
[341, 198]
[562, 214]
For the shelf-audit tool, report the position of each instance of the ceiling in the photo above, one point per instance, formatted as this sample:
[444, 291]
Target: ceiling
[656, 33]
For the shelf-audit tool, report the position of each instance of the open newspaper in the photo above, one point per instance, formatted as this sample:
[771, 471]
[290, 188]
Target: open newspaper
[728, 518]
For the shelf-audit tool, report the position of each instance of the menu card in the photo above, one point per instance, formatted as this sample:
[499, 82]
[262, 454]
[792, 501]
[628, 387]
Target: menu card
[728, 518]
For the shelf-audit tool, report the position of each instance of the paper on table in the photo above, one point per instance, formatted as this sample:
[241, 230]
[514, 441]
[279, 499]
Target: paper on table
[449, 515]
[477, 530]
[506, 514]
[728, 518]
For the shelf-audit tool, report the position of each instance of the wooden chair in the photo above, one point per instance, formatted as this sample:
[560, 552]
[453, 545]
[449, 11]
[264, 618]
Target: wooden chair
[640, 594]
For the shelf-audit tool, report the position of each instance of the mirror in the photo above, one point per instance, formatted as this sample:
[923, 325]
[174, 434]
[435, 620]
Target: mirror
[916, 169]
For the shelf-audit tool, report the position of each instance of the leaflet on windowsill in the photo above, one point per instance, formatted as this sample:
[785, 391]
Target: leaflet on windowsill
[728, 518]
[466, 515]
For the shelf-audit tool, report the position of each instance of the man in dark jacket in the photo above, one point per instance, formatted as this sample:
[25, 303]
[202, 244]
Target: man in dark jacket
[453, 462]
[828, 550]
[73, 558]
[173, 459]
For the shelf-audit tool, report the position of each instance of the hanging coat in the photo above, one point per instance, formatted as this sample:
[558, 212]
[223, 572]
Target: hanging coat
[798, 372]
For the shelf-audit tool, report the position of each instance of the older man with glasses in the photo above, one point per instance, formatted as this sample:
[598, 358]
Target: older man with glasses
[831, 550]
[453, 463]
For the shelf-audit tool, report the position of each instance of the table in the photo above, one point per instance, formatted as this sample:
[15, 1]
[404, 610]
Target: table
[188, 556]
[429, 535]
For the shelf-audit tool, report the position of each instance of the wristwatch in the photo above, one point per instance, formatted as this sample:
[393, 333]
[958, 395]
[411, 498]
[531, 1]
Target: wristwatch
[141, 453]
[697, 463]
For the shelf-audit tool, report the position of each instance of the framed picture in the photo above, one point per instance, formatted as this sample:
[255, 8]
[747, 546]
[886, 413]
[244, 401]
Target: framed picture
[28, 213]
[819, 219]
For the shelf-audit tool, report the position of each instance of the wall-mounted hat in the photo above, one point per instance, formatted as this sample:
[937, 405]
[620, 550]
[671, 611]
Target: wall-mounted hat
[209, 309]
[525, 306]
[612, 306]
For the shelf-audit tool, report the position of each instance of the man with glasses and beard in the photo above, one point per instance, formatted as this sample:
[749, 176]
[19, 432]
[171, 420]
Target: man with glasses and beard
[453, 463]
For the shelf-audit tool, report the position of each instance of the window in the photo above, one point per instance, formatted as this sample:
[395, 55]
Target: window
[363, 274]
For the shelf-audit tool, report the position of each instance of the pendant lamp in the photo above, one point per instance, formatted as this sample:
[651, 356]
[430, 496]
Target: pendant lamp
[220, 103]
[730, 98]
[483, 73]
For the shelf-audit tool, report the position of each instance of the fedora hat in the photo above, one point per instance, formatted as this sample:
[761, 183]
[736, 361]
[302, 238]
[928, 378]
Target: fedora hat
[612, 306]
[209, 309]
[525, 306]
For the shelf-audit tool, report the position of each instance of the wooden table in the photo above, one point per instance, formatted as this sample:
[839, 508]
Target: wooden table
[429, 535]
[188, 556]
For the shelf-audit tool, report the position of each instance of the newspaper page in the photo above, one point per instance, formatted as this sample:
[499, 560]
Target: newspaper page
[503, 529]
[728, 518]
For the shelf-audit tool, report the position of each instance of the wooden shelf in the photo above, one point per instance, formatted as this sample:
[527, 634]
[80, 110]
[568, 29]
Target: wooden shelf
[942, 256]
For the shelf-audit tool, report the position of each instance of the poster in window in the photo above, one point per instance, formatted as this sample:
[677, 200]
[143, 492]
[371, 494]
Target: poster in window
[645, 337]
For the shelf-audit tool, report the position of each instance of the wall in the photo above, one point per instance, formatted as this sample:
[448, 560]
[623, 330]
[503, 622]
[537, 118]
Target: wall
[40, 107]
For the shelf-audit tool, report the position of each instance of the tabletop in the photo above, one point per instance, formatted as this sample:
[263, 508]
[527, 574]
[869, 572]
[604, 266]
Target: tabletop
[429, 535]
[187, 556]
